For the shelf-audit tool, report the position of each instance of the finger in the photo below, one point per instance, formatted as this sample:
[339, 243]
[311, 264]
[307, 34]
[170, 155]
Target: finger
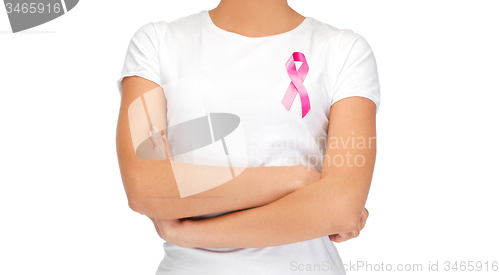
[158, 231]
[337, 238]
[161, 228]
[362, 223]
[341, 237]
[345, 235]
[364, 217]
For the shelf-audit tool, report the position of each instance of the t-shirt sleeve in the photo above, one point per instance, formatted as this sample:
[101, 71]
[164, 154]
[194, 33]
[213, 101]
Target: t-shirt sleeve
[357, 73]
[142, 56]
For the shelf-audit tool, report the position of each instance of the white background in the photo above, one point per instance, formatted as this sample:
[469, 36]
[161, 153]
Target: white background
[434, 194]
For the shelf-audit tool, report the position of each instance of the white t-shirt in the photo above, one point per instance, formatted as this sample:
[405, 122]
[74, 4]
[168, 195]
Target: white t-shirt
[200, 64]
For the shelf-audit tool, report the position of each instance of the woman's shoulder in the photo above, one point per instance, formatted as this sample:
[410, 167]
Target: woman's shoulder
[181, 25]
[331, 32]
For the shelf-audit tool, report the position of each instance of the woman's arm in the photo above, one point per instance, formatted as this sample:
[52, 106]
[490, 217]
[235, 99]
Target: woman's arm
[152, 190]
[331, 205]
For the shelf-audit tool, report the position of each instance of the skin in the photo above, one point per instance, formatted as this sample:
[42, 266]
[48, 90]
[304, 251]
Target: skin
[262, 18]
[151, 187]
[317, 205]
[191, 179]
[172, 226]
[255, 18]
[332, 206]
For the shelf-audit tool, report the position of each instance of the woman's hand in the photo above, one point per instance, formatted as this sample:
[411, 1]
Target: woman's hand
[344, 236]
[171, 230]
[309, 176]
[179, 232]
[168, 230]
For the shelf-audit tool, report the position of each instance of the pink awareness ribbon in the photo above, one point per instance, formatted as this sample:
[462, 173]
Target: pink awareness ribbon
[296, 85]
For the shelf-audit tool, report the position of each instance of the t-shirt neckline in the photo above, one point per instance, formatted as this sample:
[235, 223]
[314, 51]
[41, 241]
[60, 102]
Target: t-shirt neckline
[210, 23]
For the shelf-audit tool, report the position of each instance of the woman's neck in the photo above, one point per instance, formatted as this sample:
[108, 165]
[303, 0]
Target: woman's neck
[255, 18]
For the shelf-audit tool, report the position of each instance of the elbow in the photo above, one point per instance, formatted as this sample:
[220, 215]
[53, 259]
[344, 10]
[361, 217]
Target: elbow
[134, 196]
[147, 199]
[136, 202]
[154, 211]
[142, 207]
[136, 206]
[152, 208]
[347, 222]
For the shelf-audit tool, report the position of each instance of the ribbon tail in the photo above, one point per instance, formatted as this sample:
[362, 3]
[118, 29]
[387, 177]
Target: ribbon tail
[289, 96]
[306, 106]
[304, 98]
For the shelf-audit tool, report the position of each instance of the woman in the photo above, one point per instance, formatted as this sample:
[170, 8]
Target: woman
[310, 159]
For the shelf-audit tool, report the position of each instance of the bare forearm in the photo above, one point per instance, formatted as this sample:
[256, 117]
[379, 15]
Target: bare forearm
[255, 186]
[313, 211]
[331, 205]
[152, 187]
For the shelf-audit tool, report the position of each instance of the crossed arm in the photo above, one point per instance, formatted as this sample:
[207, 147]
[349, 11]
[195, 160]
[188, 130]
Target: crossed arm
[332, 204]
[151, 187]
